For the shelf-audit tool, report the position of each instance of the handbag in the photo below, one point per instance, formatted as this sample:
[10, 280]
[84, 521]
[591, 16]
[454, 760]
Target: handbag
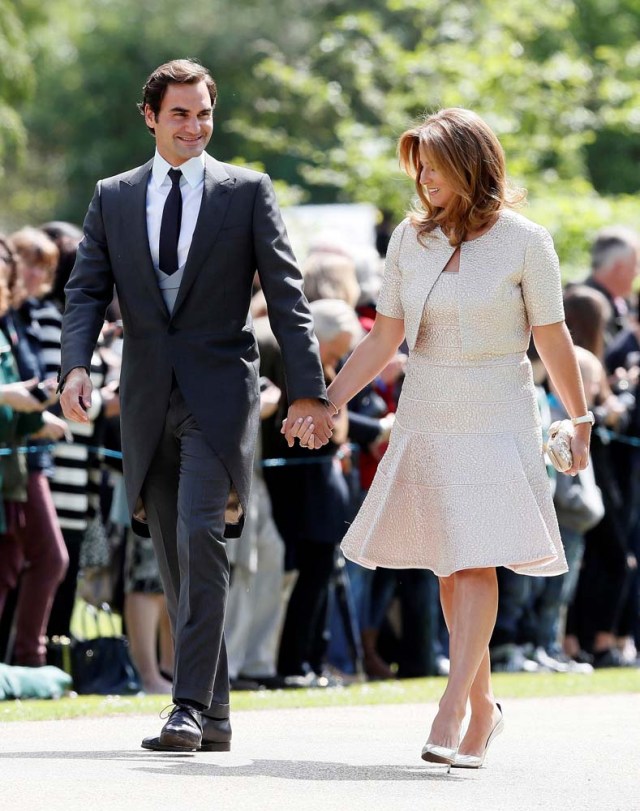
[95, 576]
[558, 445]
[103, 665]
[94, 548]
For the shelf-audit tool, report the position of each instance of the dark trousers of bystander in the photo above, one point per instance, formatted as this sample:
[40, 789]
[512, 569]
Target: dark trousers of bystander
[35, 555]
[302, 644]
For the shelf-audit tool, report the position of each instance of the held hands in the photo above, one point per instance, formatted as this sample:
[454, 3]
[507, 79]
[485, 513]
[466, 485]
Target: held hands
[76, 396]
[310, 421]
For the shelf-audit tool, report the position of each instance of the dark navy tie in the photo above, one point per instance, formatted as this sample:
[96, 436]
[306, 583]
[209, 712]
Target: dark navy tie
[170, 225]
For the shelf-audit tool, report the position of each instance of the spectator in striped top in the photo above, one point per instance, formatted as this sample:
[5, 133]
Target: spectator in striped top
[75, 484]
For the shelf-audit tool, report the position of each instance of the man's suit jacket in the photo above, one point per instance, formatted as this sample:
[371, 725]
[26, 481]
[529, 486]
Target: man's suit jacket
[207, 342]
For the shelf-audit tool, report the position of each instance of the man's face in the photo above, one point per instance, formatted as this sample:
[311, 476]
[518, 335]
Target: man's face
[332, 352]
[184, 124]
[620, 276]
[628, 271]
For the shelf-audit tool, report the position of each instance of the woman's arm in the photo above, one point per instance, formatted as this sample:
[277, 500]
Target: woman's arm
[556, 351]
[367, 360]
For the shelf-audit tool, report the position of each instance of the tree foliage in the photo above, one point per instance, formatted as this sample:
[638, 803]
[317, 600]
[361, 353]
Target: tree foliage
[16, 78]
[317, 92]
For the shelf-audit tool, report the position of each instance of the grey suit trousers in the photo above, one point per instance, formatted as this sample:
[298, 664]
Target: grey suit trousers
[185, 495]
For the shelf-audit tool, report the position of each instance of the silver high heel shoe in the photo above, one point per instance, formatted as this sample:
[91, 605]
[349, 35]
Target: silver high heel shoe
[476, 761]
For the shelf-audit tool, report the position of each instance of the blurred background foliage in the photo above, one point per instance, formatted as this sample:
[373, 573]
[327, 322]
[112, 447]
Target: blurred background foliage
[316, 92]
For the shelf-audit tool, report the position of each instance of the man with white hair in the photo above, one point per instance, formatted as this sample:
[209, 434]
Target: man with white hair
[336, 327]
[615, 263]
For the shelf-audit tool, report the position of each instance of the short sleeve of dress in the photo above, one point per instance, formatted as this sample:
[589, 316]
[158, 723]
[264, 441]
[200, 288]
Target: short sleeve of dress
[389, 301]
[541, 284]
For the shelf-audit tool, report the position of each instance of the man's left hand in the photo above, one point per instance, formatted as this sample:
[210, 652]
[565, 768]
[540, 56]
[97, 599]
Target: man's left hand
[310, 421]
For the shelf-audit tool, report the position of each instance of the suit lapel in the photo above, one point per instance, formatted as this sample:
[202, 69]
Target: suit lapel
[215, 200]
[134, 218]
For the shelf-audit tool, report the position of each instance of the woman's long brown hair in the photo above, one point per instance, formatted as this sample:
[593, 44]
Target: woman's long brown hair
[460, 145]
[586, 312]
[9, 278]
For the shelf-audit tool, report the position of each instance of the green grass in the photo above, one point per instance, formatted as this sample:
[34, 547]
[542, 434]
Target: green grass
[511, 685]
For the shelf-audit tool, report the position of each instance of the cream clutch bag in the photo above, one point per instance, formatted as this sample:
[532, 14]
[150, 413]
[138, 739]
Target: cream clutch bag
[558, 445]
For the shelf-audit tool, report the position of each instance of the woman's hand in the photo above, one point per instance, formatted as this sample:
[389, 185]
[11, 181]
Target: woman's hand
[309, 421]
[111, 399]
[580, 448]
[270, 398]
[18, 396]
[53, 429]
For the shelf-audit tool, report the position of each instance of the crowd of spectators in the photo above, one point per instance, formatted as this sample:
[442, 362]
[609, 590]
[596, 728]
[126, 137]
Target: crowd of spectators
[298, 613]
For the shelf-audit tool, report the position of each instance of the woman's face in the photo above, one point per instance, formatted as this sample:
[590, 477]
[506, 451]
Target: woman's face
[438, 189]
[33, 277]
[5, 267]
[5, 271]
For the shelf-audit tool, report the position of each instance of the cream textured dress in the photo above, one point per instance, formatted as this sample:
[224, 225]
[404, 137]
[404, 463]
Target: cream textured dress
[463, 483]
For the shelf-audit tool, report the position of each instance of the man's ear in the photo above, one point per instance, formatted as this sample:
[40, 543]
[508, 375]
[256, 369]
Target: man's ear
[149, 117]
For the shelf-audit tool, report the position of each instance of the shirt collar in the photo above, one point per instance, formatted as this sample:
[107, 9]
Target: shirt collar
[193, 170]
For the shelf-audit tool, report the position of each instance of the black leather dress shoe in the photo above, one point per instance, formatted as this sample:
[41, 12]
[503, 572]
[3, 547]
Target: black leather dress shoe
[183, 730]
[216, 737]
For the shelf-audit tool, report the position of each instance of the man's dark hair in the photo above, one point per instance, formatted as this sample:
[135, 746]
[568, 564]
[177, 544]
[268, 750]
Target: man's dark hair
[178, 71]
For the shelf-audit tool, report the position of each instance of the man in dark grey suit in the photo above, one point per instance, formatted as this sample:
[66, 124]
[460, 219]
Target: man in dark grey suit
[181, 238]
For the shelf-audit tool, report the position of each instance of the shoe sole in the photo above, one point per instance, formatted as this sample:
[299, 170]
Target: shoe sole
[430, 757]
[216, 747]
[205, 747]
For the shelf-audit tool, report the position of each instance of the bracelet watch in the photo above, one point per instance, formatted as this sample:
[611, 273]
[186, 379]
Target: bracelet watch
[588, 417]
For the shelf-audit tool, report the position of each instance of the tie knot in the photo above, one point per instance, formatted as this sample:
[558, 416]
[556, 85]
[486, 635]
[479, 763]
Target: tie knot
[175, 175]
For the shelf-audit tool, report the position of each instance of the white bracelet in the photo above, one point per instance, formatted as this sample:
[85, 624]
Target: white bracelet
[588, 417]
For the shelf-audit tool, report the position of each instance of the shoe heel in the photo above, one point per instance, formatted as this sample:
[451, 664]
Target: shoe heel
[475, 761]
[216, 747]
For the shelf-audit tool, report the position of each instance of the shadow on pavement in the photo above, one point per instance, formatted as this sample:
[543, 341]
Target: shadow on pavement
[190, 764]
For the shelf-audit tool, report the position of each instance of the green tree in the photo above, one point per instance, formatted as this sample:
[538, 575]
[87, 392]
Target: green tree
[16, 79]
[317, 92]
[548, 77]
[92, 59]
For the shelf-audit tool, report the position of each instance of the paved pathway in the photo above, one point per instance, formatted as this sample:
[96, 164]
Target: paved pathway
[556, 754]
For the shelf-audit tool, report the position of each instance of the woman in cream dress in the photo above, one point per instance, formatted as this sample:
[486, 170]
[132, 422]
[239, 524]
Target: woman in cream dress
[463, 487]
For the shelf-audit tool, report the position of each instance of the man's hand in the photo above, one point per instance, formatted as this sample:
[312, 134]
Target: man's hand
[76, 397]
[310, 421]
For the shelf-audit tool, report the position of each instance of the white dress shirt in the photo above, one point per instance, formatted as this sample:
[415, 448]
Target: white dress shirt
[191, 188]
